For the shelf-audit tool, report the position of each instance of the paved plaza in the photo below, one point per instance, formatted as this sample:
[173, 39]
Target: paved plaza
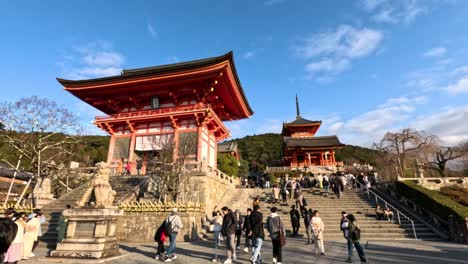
[296, 251]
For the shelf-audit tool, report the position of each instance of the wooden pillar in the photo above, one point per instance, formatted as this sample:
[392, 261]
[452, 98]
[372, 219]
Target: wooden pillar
[131, 154]
[199, 145]
[176, 144]
[310, 162]
[321, 158]
[110, 153]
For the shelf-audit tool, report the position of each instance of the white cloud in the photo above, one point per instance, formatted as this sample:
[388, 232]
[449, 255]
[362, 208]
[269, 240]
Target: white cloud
[272, 2]
[370, 126]
[449, 124]
[387, 11]
[327, 65]
[372, 4]
[248, 54]
[151, 30]
[385, 16]
[95, 59]
[332, 51]
[435, 52]
[461, 86]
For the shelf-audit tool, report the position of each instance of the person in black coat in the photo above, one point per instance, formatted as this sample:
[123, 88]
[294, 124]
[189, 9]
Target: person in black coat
[257, 232]
[228, 230]
[8, 230]
[295, 220]
[246, 228]
[338, 187]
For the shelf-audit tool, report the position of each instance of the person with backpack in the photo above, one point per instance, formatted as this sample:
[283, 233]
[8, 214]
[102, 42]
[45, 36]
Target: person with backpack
[275, 227]
[326, 184]
[228, 231]
[318, 228]
[257, 233]
[172, 228]
[353, 235]
[160, 238]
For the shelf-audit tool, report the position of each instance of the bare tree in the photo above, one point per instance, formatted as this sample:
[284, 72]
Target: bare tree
[38, 131]
[403, 146]
[444, 155]
[168, 166]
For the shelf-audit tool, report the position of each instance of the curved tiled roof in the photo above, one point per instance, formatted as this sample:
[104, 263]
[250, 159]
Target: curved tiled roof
[326, 141]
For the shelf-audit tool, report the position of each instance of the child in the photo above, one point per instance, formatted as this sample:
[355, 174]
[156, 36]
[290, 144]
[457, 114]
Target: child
[160, 237]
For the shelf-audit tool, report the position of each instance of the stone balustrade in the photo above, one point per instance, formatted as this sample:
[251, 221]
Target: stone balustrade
[149, 206]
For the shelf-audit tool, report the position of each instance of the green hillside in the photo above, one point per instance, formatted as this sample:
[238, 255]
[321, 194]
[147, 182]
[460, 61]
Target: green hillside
[267, 150]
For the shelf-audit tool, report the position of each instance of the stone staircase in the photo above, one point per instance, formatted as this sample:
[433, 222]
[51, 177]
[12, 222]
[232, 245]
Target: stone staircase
[353, 202]
[126, 188]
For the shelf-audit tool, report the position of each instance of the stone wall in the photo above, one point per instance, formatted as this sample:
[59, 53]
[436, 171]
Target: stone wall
[210, 186]
[140, 227]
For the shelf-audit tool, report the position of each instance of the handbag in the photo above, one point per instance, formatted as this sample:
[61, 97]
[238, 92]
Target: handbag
[282, 239]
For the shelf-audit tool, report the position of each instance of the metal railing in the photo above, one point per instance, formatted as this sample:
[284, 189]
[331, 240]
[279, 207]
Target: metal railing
[387, 204]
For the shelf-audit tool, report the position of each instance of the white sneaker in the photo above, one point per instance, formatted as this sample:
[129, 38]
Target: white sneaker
[274, 261]
[174, 257]
[157, 257]
[32, 255]
[227, 261]
[234, 257]
[246, 250]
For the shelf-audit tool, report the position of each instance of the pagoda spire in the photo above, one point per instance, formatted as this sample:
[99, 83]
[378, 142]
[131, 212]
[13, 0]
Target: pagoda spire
[298, 111]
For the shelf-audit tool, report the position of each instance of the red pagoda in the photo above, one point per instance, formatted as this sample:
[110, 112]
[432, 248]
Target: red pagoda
[176, 103]
[302, 149]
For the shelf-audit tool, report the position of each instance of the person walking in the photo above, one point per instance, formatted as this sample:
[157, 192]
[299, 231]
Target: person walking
[128, 168]
[217, 223]
[353, 236]
[338, 187]
[289, 190]
[139, 165]
[257, 233]
[160, 238]
[307, 224]
[228, 231]
[276, 193]
[120, 167]
[15, 250]
[173, 227]
[326, 184]
[31, 235]
[239, 223]
[284, 193]
[295, 220]
[246, 228]
[276, 229]
[62, 225]
[317, 230]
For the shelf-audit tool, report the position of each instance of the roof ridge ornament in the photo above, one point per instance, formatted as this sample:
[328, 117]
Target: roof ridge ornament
[298, 112]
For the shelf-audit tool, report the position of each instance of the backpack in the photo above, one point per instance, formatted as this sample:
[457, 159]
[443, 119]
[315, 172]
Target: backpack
[356, 234]
[168, 226]
[304, 202]
[325, 182]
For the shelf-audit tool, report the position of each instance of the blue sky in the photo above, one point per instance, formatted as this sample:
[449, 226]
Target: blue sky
[363, 67]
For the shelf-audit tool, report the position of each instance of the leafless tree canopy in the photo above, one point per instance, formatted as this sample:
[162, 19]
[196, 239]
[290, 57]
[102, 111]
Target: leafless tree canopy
[168, 171]
[38, 130]
[443, 155]
[404, 146]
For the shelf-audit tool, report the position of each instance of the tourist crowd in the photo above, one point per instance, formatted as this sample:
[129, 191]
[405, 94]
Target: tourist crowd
[19, 235]
[229, 225]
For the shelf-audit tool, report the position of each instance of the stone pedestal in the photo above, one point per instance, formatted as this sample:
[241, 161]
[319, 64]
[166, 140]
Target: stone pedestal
[42, 199]
[90, 234]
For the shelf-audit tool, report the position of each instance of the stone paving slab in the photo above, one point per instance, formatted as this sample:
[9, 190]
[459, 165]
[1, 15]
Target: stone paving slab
[385, 252]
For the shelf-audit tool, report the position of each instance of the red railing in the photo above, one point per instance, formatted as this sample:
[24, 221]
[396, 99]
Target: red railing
[178, 109]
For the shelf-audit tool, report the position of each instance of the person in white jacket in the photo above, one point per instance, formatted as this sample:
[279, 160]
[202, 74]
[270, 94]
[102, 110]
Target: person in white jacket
[175, 225]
